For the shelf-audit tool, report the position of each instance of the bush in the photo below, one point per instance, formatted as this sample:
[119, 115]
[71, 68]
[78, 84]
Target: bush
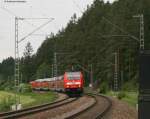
[6, 85]
[25, 88]
[121, 95]
[103, 87]
[130, 86]
[6, 103]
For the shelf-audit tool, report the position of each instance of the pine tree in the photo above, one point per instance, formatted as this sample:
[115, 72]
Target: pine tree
[27, 63]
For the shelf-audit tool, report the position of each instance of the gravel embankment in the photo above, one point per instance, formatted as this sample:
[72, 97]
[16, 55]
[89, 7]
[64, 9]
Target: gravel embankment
[97, 109]
[61, 96]
[121, 110]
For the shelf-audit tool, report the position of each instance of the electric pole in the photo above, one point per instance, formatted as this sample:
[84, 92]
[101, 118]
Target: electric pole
[17, 62]
[16, 54]
[141, 17]
[116, 72]
[91, 75]
[16, 68]
[141, 32]
[52, 75]
[55, 67]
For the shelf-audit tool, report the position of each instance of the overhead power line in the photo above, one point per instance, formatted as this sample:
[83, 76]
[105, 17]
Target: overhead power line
[35, 30]
[15, 1]
[122, 30]
[133, 37]
[8, 11]
[35, 18]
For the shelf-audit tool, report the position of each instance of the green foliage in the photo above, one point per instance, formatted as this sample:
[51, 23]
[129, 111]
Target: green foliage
[28, 50]
[84, 38]
[121, 95]
[44, 71]
[91, 39]
[104, 88]
[130, 97]
[7, 85]
[31, 98]
[6, 103]
[130, 86]
[7, 69]
[27, 64]
[27, 99]
[24, 88]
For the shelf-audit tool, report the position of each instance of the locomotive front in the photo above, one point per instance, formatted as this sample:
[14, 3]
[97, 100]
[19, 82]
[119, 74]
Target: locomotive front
[73, 82]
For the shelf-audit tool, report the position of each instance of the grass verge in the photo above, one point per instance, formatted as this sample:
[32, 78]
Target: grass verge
[26, 99]
[130, 97]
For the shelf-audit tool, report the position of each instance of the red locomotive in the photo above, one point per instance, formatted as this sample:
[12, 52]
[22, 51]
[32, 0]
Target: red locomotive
[71, 82]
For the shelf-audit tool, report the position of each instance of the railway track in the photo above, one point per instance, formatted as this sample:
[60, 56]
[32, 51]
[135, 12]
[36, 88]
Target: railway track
[35, 109]
[94, 111]
[86, 106]
[108, 107]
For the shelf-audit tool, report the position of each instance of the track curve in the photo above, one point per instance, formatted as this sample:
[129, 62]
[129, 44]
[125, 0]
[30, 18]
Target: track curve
[89, 106]
[33, 109]
[97, 111]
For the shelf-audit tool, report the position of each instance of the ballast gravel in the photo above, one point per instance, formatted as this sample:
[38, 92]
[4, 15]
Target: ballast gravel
[121, 110]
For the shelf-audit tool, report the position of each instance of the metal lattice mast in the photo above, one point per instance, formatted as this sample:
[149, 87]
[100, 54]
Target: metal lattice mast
[16, 54]
[55, 66]
[91, 75]
[52, 75]
[116, 72]
[141, 32]
[141, 17]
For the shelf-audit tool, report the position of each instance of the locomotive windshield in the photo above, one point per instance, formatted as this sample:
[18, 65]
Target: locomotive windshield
[73, 75]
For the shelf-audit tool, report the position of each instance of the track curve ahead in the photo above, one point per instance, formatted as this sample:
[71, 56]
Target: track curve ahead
[97, 111]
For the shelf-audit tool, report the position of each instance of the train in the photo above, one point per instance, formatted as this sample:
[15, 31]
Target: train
[70, 83]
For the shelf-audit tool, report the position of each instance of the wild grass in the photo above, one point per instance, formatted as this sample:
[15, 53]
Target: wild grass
[7, 99]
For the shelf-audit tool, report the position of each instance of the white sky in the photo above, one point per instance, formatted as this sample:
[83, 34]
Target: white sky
[60, 10]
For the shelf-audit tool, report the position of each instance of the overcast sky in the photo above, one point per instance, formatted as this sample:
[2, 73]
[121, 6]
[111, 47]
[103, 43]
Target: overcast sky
[60, 10]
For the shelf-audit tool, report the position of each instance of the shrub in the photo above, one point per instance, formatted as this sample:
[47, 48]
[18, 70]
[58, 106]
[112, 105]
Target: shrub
[121, 95]
[130, 86]
[6, 103]
[25, 88]
[103, 87]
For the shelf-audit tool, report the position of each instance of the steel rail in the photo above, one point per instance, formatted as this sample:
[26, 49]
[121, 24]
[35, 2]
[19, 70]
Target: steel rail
[35, 109]
[101, 114]
[30, 108]
[89, 107]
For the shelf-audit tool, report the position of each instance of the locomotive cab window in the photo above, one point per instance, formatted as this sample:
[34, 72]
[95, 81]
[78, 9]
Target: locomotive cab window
[73, 75]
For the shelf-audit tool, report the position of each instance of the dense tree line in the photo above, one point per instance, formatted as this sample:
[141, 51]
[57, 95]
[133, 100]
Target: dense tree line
[103, 30]
[6, 72]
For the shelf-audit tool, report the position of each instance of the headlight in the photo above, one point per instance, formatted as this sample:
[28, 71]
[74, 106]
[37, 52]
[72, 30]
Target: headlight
[68, 83]
[78, 83]
[67, 86]
[71, 83]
